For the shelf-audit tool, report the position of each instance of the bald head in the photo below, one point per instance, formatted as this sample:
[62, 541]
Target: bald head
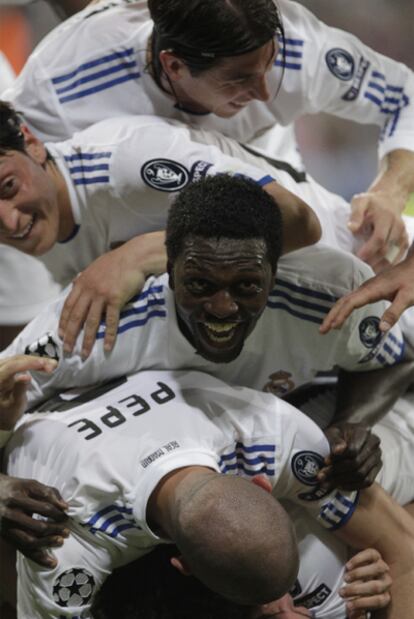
[234, 536]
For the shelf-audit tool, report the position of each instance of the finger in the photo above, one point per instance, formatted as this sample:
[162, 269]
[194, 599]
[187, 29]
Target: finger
[401, 302]
[376, 247]
[359, 204]
[371, 602]
[368, 555]
[377, 570]
[345, 306]
[75, 321]
[47, 493]
[91, 326]
[25, 363]
[111, 327]
[70, 303]
[17, 519]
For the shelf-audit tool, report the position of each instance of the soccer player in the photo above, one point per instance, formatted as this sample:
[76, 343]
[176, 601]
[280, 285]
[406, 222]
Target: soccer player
[139, 463]
[20, 276]
[268, 336]
[71, 202]
[174, 58]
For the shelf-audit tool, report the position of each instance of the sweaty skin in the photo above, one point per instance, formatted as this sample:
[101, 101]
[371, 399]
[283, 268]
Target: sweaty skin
[221, 289]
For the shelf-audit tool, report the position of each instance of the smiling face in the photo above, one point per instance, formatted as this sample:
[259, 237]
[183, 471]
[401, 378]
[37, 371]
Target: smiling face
[228, 87]
[221, 289]
[29, 215]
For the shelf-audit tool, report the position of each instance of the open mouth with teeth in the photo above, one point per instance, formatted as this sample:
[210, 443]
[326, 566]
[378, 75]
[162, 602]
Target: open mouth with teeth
[220, 332]
[19, 236]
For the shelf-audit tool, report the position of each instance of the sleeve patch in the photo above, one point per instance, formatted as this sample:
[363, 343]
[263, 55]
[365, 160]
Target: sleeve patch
[340, 63]
[165, 175]
[306, 466]
[369, 332]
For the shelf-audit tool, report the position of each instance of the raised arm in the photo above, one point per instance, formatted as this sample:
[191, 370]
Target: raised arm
[396, 285]
[379, 522]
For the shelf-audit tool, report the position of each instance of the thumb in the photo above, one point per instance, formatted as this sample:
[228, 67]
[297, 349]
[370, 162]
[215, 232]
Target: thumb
[359, 204]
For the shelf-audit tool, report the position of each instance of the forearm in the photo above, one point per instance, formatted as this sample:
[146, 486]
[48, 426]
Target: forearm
[396, 176]
[355, 402]
[301, 226]
[393, 536]
[148, 252]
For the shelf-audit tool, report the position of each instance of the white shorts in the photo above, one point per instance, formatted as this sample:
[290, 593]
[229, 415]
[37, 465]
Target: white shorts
[26, 286]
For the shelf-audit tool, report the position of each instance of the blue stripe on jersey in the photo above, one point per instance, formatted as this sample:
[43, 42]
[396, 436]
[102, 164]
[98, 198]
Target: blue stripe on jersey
[323, 296]
[292, 312]
[338, 511]
[95, 76]
[394, 340]
[111, 520]
[93, 63]
[265, 180]
[299, 301]
[290, 53]
[88, 156]
[84, 174]
[390, 98]
[238, 460]
[99, 88]
[144, 309]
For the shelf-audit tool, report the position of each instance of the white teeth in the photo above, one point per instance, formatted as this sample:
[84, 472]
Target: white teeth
[25, 231]
[220, 327]
[220, 332]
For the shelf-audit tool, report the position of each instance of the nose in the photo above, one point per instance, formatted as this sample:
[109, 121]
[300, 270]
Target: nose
[9, 218]
[221, 305]
[260, 90]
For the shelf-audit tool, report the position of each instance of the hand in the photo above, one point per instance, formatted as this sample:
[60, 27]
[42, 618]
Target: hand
[14, 379]
[396, 285]
[368, 584]
[376, 215]
[102, 289]
[355, 457]
[282, 608]
[19, 500]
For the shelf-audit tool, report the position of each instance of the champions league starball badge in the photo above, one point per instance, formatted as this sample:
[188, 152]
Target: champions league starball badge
[74, 587]
[45, 346]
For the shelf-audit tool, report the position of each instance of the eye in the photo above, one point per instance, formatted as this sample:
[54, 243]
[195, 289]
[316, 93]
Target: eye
[249, 288]
[198, 286]
[8, 187]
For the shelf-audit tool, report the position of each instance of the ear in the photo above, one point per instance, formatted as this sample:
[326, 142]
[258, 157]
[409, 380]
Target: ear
[173, 66]
[180, 564]
[34, 147]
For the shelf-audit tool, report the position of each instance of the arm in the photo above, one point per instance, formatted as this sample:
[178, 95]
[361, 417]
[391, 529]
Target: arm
[301, 226]
[379, 209]
[396, 285]
[393, 536]
[104, 287]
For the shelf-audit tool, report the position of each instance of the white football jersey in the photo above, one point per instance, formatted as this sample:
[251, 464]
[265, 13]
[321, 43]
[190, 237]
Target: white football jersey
[107, 450]
[121, 175]
[284, 351]
[94, 66]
